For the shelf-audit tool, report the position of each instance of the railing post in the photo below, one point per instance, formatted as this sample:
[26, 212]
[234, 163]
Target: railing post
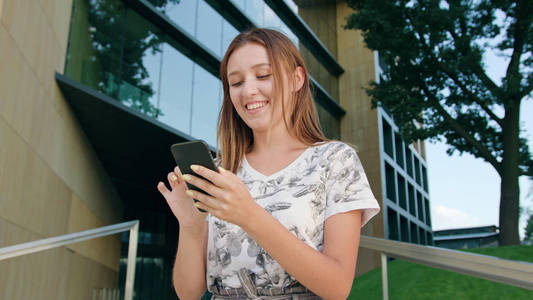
[384, 280]
[132, 257]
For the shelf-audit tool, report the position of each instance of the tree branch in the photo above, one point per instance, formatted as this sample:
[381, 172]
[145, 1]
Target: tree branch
[478, 70]
[455, 79]
[483, 151]
[520, 28]
[470, 95]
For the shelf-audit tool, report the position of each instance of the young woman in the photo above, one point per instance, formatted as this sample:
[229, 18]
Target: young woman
[286, 207]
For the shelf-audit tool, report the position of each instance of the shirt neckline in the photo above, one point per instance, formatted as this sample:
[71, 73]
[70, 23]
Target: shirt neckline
[277, 173]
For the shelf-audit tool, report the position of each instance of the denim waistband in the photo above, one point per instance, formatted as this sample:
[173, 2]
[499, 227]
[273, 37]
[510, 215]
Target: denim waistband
[248, 290]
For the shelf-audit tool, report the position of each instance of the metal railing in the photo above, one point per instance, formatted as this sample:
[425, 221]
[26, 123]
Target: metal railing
[510, 272]
[58, 241]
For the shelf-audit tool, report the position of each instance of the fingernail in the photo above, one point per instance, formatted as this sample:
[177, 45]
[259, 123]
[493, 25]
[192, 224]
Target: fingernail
[194, 167]
[173, 177]
[186, 177]
[189, 193]
[195, 204]
[221, 170]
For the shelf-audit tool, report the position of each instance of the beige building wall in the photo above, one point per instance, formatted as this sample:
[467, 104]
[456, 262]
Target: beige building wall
[360, 124]
[51, 182]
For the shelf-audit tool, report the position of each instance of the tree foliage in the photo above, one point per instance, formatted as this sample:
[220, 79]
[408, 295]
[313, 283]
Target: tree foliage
[435, 73]
[436, 86]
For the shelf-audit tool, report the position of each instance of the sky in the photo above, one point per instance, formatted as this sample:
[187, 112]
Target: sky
[464, 190]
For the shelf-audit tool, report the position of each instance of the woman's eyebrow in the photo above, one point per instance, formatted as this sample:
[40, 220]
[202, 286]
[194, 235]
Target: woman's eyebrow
[253, 67]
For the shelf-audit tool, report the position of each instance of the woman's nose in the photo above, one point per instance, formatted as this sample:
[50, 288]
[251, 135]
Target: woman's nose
[250, 88]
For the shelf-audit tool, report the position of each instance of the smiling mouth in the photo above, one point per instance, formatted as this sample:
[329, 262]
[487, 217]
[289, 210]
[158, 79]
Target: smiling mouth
[256, 105]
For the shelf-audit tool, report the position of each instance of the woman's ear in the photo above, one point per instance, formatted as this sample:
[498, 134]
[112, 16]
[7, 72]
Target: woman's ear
[298, 79]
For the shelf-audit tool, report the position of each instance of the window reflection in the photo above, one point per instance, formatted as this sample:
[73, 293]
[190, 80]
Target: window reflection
[115, 51]
[118, 52]
[176, 89]
[209, 28]
[239, 3]
[254, 10]
[206, 105]
[182, 12]
[271, 19]
[228, 34]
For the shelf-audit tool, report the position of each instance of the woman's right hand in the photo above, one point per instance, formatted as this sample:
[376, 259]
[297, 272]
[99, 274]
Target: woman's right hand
[180, 203]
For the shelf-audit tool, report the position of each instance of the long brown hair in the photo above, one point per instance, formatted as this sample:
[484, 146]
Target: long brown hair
[233, 135]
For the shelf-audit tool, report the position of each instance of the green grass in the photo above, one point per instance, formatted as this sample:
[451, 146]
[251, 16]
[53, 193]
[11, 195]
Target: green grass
[413, 281]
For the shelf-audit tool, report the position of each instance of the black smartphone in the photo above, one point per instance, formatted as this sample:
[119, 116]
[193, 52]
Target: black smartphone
[193, 153]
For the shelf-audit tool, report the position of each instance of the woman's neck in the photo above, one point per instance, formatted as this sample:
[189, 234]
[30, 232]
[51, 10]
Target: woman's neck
[279, 141]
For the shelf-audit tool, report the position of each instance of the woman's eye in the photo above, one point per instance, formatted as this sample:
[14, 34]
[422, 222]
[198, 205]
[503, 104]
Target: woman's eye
[236, 84]
[263, 76]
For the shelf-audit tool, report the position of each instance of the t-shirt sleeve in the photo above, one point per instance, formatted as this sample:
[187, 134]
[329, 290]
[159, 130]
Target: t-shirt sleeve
[347, 185]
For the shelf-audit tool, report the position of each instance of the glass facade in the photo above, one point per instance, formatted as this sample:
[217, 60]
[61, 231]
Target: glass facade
[130, 60]
[405, 188]
[118, 52]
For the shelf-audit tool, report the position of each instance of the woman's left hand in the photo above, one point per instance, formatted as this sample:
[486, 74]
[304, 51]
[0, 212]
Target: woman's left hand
[227, 196]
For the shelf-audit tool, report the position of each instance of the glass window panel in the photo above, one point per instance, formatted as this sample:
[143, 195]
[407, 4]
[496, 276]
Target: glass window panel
[271, 19]
[399, 149]
[285, 29]
[414, 233]
[254, 10]
[404, 229]
[417, 170]
[408, 160]
[209, 28]
[425, 178]
[393, 224]
[419, 201]
[292, 5]
[137, 76]
[152, 63]
[228, 34]
[387, 138]
[426, 208]
[176, 89]
[390, 182]
[205, 105]
[240, 4]
[422, 234]
[401, 192]
[183, 14]
[411, 196]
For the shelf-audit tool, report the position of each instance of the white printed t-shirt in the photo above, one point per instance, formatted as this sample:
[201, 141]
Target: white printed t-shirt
[324, 180]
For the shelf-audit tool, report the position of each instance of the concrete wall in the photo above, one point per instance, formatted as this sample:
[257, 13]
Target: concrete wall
[360, 124]
[51, 182]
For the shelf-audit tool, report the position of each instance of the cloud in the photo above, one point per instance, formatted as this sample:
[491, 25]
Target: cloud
[447, 218]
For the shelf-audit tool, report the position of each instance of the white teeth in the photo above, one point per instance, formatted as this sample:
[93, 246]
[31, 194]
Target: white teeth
[255, 105]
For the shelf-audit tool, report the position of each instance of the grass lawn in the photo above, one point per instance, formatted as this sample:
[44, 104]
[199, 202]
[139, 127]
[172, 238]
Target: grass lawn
[413, 281]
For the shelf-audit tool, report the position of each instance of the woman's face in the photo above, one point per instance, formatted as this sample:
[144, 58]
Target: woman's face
[251, 87]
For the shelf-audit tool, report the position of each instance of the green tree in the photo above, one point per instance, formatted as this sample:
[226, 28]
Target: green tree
[435, 84]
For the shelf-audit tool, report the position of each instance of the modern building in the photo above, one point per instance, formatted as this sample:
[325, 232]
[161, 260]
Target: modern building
[94, 92]
[467, 238]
